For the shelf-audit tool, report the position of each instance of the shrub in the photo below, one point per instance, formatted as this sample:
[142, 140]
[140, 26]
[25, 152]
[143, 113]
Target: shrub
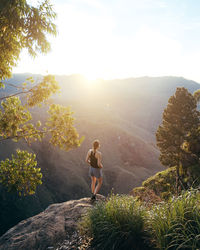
[145, 195]
[163, 183]
[118, 223]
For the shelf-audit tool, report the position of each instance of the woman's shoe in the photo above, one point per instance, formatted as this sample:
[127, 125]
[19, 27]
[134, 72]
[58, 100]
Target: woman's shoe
[93, 198]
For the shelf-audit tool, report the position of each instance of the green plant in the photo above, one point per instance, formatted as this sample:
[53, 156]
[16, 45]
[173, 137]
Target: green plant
[176, 224]
[26, 26]
[180, 120]
[145, 195]
[162, 183]
[23, 25]
[20, 174]
[123, 223]
[118, 223]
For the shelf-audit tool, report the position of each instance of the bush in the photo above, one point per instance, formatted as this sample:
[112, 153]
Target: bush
[176, 224]
[145, 195]
[118, 223]
[163, 183]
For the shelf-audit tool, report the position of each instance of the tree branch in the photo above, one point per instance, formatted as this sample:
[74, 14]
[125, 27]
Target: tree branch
[14, 86]
[19, 93]
[23, 135]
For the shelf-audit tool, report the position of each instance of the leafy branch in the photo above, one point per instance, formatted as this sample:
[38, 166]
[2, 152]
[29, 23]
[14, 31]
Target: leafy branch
[15, 124]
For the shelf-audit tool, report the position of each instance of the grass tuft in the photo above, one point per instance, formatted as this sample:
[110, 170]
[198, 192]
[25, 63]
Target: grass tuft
[176, 224]
[118, 223]
[123, 223]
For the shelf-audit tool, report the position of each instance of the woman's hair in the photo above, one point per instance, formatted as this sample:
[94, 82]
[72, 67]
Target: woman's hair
[96, 144]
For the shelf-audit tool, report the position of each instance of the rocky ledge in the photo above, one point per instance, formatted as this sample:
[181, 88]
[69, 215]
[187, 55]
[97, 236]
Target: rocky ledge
[54, 228]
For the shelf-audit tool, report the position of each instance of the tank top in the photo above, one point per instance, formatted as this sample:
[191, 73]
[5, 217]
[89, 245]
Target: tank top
[93, 160]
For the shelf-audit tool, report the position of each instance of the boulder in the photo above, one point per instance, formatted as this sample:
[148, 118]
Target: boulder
[45, 230]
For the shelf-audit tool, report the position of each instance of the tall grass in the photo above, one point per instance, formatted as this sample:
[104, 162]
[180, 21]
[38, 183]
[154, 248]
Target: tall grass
[117, 224]
[123, 223]
[176, 224]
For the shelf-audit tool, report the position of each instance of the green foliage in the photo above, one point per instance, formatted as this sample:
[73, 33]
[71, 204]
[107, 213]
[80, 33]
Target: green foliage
[23, 26]
[42, 91]
[15, 117]
[162, 183]
[123, 223]
[146, 195]
[119, 223]
[60, 123]
[20, 174]
[179, 119]
[12, 116]
[178, 131]
[2, 85]
[196, 95]
[15, 120]
[176, 224]
[195, 175]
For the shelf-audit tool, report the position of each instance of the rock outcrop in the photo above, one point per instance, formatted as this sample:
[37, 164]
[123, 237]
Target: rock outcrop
[47, 229]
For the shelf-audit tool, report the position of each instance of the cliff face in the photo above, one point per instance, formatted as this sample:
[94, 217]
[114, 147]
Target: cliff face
[45, 230]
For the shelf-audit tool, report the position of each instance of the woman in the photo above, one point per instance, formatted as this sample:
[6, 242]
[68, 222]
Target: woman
[94, 159]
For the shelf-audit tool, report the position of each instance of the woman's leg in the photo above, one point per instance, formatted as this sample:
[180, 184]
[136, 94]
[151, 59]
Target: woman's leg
[93, 183]
[100, 180]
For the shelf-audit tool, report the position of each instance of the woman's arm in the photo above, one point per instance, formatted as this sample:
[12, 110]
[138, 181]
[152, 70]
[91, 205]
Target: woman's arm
[99, 158]
[88, 157]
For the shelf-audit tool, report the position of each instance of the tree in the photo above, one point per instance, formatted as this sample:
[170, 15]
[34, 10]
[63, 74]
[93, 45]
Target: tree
[17, 174]
[196, 95]
[25, 26]
[180, 121]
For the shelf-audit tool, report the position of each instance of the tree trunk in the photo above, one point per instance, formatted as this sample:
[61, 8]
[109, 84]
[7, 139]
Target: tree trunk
[177, 180]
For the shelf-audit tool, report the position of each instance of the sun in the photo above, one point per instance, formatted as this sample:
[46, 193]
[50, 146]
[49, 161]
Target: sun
[90, 82]
[91, 78]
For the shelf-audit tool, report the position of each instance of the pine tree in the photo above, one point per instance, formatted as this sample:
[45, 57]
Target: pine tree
[180, 119]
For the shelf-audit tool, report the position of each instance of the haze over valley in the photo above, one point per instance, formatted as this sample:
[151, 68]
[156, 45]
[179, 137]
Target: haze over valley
[123, 114]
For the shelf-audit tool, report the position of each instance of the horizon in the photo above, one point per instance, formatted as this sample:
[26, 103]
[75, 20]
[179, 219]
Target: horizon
[121, 39]
[102, 79]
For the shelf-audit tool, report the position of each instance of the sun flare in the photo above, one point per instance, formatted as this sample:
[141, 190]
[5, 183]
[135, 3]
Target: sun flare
[96, 44]
[91, 83]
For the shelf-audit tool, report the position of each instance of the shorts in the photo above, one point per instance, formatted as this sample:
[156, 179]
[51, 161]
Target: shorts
[96, 172]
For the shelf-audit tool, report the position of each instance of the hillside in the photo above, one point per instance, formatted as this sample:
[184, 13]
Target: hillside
[123, 114]
[136, 103]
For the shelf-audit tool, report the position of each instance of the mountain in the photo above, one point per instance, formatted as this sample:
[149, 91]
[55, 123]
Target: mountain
[122, 114]
[137, 101]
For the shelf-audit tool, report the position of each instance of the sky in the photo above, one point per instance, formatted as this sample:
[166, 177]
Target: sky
[112, 39]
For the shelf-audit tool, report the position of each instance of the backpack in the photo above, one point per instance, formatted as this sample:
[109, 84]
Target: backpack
[93, 160]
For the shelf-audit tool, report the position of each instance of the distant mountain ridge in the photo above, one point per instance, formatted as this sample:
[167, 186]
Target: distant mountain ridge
[143, 98]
